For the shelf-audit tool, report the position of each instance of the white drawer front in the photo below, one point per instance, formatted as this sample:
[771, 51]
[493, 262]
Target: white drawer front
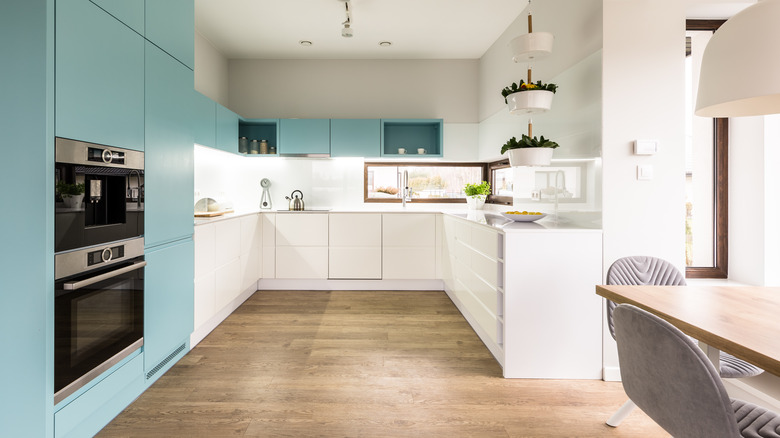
[228, 241]
[409, 263]
[355, 229]
[355, 263]
[204, 239]
[302, 262]
[301, 229]
[228, 284]
[408, 229]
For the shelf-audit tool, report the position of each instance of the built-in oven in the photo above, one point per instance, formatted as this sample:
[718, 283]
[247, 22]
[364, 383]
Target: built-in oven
[99, 194]
[98, 311]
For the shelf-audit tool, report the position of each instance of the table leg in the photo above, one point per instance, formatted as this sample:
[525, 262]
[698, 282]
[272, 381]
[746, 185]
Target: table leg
[712, 353]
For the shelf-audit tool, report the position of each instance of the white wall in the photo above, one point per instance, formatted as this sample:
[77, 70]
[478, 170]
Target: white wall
[339, 89]
[643, 83]
[211, 71]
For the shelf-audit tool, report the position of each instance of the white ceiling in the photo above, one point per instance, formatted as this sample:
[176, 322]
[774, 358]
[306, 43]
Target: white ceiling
[418, 29]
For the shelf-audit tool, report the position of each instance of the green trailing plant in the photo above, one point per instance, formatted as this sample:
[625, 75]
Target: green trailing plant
[523, 86]
[528, 142]
[64, 188]
[477, 189]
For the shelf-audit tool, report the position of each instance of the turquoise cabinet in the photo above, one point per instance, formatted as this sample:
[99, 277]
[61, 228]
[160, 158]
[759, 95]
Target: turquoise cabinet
[419, 137]
[130, 12]
[170, 25]
[227, 130]
[355, 138]
[304, 136]
[27, 259]
[99, 77]
[261, 129]
[168, 177]
[168, 305]
[203, 113]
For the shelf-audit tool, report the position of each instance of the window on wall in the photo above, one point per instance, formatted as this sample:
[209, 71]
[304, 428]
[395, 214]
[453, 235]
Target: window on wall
[501, 178]
[706, 170]
[430, 182]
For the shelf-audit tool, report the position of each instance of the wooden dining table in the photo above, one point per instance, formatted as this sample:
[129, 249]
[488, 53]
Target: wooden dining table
[741, 320]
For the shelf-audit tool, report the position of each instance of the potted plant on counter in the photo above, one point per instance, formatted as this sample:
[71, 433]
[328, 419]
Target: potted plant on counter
[476, 194]
[72, 194]
[529, 151]
[528, 97]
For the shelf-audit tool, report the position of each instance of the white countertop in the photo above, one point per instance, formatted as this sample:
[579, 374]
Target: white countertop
[567, 221]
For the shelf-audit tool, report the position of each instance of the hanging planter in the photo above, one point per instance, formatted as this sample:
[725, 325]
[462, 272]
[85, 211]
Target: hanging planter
[529, 102]
[529, 151]
[530, 157]
[531, 46]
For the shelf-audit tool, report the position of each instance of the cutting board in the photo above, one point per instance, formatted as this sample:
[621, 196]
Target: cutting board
[212, 213]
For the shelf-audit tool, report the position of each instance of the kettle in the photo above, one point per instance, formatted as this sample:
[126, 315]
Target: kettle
[296, 203]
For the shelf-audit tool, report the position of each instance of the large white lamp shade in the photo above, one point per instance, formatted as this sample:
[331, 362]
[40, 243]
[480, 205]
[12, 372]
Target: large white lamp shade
[740, 69]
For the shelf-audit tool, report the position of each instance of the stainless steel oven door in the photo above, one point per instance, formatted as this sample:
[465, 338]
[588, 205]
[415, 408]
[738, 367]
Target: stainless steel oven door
[98, 321]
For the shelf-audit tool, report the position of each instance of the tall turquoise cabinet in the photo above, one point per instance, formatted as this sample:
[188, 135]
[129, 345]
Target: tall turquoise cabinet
[27, 259]
[115, 72]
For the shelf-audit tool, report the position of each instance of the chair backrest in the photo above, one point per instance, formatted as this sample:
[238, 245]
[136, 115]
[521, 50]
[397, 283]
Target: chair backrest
[669, 377]
[640, 270]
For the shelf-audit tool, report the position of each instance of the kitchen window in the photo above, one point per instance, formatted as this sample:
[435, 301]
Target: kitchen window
[706, 170]
[430, 182]
[501, 180]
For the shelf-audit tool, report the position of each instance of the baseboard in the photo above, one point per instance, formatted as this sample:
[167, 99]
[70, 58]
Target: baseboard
[308, 284]
[612, 374]
[201, 332]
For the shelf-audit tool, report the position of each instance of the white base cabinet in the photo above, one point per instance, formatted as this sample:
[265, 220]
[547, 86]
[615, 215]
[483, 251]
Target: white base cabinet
[302, 245]
[355, 246]
[409, 246]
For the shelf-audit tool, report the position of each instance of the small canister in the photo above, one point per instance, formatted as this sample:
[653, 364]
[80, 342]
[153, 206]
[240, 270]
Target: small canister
[254, 148]
[243, 145]
[263, 146]
[272, 150]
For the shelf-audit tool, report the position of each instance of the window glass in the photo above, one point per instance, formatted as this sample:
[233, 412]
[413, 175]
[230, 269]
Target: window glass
[432, 183]
[502, 181]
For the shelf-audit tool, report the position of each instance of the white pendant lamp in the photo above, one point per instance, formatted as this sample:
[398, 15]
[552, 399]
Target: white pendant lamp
[740, 70]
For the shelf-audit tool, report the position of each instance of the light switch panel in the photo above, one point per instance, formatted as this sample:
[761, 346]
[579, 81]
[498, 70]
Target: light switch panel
[644, 172]
[645, 147]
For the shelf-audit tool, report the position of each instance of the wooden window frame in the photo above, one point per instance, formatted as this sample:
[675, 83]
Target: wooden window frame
[721, 180]
[483, 167]
[494, 199]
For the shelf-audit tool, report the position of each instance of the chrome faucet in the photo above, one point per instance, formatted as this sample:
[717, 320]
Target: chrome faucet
[138, 185]
[406, 191]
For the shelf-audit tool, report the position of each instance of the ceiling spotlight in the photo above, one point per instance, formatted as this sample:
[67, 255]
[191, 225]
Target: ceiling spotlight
[385, 44]
[347, 31]
[305, 43]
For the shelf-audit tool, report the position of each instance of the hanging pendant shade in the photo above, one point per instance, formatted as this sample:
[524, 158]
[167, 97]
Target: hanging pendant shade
[740, 68]
[531, 46]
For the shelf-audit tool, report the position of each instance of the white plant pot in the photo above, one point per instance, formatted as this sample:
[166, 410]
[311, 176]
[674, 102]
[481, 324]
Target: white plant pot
[476, 202]
[531, 46]
[530, 101]
[530, 156]
[73, 201]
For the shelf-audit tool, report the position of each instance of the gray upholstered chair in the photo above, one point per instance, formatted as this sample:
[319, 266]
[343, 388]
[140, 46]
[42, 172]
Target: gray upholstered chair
[685, 396]
[645, 270]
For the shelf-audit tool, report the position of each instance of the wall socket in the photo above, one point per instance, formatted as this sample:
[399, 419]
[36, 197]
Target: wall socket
[536, 195]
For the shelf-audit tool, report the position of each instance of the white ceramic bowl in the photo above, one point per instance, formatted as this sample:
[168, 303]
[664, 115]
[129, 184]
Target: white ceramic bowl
[523, 217]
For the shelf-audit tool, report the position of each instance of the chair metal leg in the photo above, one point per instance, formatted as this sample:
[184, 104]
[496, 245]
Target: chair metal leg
[621, 414]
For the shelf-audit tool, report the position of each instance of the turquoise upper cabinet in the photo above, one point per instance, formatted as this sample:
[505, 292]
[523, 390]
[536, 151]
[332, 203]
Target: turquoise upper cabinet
[419, 137]
[304, 136]
[203, 117]
[354, 138]
[260, 129]
[99, 77]
[170, 24]
[169, 149]
[130, 12]
[227, 130]
[168, 304]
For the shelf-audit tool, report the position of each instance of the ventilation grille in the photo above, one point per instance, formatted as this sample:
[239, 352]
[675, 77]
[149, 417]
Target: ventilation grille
[165, 361]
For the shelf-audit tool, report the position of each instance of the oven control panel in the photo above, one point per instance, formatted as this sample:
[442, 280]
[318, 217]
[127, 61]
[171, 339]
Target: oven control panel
[105, 255]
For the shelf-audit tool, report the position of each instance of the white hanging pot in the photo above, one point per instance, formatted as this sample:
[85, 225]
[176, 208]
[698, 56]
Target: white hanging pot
[529, 101]
[530, 156]
[531, 46]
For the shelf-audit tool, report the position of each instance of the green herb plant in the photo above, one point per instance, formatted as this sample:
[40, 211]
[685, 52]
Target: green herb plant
[477, 189]
[64, 188]
[523, 86]
[528, 142]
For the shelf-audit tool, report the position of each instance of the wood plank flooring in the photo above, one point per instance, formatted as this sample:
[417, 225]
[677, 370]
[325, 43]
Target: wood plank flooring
[362, 364]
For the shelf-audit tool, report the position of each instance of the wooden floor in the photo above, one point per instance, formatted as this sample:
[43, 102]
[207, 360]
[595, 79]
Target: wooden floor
[361, 364]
